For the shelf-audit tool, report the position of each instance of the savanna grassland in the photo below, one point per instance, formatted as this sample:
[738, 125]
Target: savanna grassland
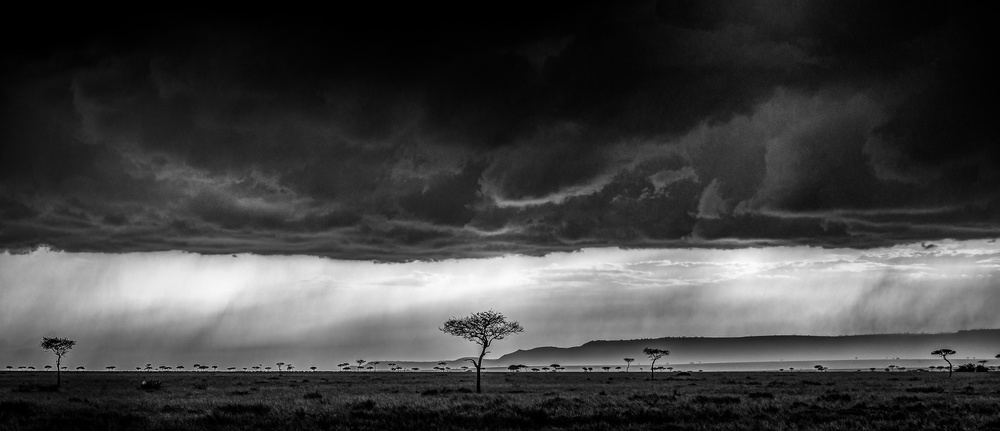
[596, 400]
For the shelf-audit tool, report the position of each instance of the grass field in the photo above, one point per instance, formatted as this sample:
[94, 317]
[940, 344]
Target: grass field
[597, 400]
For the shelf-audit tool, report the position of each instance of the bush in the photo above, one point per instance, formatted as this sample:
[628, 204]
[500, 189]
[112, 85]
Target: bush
[150, 385]
[971, 368]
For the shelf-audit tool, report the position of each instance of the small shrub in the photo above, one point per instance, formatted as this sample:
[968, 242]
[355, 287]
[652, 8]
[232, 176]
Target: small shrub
[150, 385]
[363, 405]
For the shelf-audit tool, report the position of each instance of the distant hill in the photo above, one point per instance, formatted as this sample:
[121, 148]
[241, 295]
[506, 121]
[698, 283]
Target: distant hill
[982, 344]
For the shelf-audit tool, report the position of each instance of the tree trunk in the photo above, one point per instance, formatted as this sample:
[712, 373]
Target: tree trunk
[652, 370]
[949, 366]
[479, 370]
[58, 371]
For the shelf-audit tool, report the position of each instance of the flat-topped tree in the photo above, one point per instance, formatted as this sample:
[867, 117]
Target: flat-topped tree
[60, 347]
[628, 363]
[482, 328]
[944, 354]
[654, 354]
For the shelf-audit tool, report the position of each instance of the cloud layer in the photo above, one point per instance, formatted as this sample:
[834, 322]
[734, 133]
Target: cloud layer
[409, 134]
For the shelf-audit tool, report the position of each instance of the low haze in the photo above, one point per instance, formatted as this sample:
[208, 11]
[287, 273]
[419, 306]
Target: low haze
[241, 310]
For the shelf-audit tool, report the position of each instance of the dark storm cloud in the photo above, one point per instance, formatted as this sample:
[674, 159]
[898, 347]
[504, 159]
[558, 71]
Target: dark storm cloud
[426, 132]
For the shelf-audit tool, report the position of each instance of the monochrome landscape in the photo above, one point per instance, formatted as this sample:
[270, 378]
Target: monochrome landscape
[660, 214]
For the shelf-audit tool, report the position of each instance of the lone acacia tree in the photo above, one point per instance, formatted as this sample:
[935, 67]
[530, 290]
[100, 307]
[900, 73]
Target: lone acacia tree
[944, 353]
[482, 328]
[628, 363]
[654, 354]
[60, 347]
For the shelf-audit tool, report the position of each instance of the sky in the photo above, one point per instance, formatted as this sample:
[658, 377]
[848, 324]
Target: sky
[373, 168]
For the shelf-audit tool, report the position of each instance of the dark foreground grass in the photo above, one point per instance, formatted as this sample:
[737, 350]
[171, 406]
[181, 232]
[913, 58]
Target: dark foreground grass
[441, 401]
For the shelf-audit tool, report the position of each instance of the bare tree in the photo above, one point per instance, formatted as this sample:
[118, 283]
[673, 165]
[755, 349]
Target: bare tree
[482, 328]
[654, 354]
[944, 354]
[628, 363]
[60, 347]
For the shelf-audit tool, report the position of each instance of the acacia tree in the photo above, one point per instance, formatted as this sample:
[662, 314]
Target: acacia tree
[944, 353]
[628, 363]
[654, 354]
[60, 347]
[482, 328]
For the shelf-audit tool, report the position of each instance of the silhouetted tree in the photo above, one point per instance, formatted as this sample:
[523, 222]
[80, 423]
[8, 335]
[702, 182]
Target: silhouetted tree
[374, 365]
[482, 328]
[312, 368]
[606, 369]
[60, 347]
[279, 364]
[944, 354]
[360, 363]
[110, 367]
[47, 367]
[10, 368]
[289, 367]
[628, 363]
[654, 354]
[80, 368]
